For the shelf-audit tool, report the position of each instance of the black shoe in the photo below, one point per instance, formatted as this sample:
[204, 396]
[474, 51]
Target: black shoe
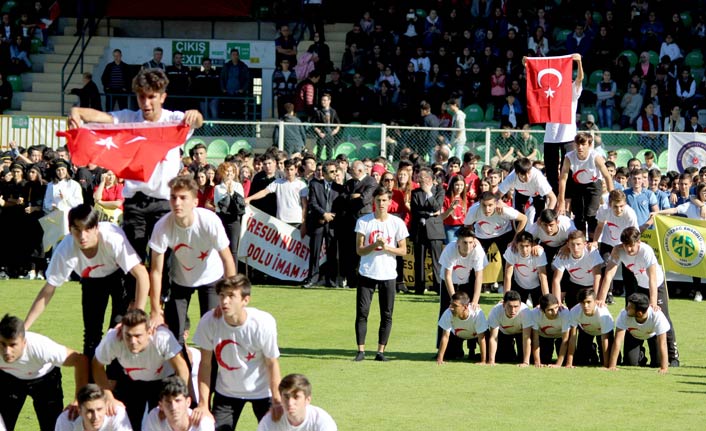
[402, 288]
[359, 356]
[609, 299]
[674, 363]
[379, 356]
[308, 284]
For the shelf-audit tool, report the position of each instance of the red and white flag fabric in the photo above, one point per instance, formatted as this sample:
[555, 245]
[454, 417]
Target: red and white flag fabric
[549, 89]
[130, 150]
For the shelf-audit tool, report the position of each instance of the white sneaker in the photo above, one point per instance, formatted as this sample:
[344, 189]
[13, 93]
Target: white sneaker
[40, 275]
[529, 303]
[30, 276]
[698, 297]
[4, 276]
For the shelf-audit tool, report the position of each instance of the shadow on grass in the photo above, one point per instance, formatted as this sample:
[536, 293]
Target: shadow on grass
[692, 392]
[349, 354]
[683, 382]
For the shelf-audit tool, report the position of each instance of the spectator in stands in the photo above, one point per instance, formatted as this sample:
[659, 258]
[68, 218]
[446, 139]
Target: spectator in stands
[156, 61]
[235, 82]
[511, 111]
[294, 132]
[630, 104]
[284, 83]
[109, 192]
[19, 55]
[603, 49]
[206, 82]
[694, 125]
[285, 47]
[326, 135]
[353, 61]
[645, 70]
[313, 17]
[605, 100]
[261, 180]
[358, 98]
[116, 82]
[686, 89]
[88, 95]
[648, 121]
[291, 197]
[322, 54]
[305, 96]
[5, 94]
[579, 42]
[205, 190]
[179, 83]
[674, 122]
[538, 44]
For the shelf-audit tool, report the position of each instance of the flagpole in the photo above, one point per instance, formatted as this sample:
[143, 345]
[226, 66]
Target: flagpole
[661, 257]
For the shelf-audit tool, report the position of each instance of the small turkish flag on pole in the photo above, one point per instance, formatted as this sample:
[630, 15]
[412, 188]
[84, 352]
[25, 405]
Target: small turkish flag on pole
[130, 150]
[549, 89]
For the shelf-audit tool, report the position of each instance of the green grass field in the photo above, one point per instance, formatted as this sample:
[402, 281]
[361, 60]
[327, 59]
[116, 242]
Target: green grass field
[411, 392]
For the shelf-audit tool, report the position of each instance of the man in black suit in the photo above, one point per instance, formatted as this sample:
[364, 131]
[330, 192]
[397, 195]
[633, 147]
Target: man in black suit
[320, 224]
[357, 201]
[427, 230]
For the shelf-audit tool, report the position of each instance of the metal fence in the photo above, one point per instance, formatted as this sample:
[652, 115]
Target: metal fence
[29, 130]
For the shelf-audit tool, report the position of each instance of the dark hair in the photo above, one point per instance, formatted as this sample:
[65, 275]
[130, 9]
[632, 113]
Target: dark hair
[524, 236]
[486, 196]
[546, 300]
[12, 327]
[583, 137]
[547, 216]
[640, 301]
[135, 317]
[173, 386]
[585, 293]
[293, 383]
[522, 166]
[511, 295]
[150, 80]
[237, 282]
[85, 214]
[465, 232]
[382, 191]
[630, 235]
[461, 297]
[90, 392]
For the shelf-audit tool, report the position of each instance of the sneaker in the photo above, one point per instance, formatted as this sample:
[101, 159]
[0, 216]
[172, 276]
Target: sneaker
[698, 297]
[674, 363]
[29, 276]
[379, 356]
[40, 275]
[359, 356]
[4, 276]
[529, 303]
[609, 299]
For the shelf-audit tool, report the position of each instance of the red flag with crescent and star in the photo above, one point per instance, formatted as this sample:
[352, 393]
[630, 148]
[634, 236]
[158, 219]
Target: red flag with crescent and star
[130, 150]
[549, 89]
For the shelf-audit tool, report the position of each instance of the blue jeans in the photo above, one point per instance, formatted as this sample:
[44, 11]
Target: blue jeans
[450, 233]
[605, 116]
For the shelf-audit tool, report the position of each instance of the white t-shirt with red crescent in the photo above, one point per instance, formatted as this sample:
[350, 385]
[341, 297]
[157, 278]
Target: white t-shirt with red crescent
[638, 265]
[148, 365]
[656, 324]
[601, 322]
[118, 422]
[536, 185]
[490, 227]
[525, 269]
[380, 265]
[584, 171]
[461, 266]
[40, 356]
[196, 261]
[316, 419]
[614, 226]
[467, 328]
[240, 352]
[565, 226]
[580, 270]
[550, 328]
[114, 252]
[508, 326]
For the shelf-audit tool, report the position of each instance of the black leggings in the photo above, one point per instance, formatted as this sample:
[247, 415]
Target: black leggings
[47, 397]
[364, 296]
[227, 410]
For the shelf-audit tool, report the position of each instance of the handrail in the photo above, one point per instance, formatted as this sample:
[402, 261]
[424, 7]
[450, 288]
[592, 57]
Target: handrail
[84, 44]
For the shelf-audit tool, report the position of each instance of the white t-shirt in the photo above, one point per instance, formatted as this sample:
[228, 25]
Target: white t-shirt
[119, 422]
[154, 423]
[656, 324]
[689, 210]
[493, 226]
[536, 185]
[156, 186]
[525, 269]
[65, 194]
[550, 328]
[148, 365]
[580, 270]
[40, 356]
[565, 226]
[317, 419]
[459, 122]
[289, 196]
[195, 363]
[639, 263]
[240, 352]
[614, 226]
[380, 265]
[114, 251]
[584, 171]
[556, 132]
[600, 323]
[461, 266]
[469, 328]
[196, 261]
[508, 326]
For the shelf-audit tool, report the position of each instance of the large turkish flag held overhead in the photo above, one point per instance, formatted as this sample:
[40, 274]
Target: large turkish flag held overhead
[549, 89]
[130, 150]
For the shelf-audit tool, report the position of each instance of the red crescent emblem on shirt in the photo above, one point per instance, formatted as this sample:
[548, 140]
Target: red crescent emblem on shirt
[632, 329]
[457, 330]
[481, 224]
[179, 247]
[577, 174]
[630, 268]
[131, 370]
[544, 329]
[219, 354]
[522, 271]
[574, 272]
[86, 273]
[610, 229]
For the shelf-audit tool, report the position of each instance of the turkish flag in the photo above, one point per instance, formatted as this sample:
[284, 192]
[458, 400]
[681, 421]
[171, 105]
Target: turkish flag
[130, 150]
[549, 89]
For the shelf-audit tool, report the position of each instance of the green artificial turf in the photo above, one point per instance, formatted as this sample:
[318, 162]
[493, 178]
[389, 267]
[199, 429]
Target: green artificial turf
[411, 392]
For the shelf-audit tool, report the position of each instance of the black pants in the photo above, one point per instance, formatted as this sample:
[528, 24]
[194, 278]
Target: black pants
[226, 410]
[663, 302]
[585, 200]
[330, 269]
[386, 298]
[510, 349]
[435, 246]
[501, 243]
[547, 347]
[135, 394]
[589, 352]
[47, 398]
[535, 293]
[232, 227]
[554, 153]
[538, 202]
[571, 290]
[455, 345]
[176, 308]
[550, 253]
[94, 300]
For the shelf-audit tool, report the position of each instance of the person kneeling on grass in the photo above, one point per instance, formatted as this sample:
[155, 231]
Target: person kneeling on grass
[636, 323]
[93, 413]
[173, 412]
[467, 323]
[295, 390]
[588, 321]
[549, 331]
[506, 322]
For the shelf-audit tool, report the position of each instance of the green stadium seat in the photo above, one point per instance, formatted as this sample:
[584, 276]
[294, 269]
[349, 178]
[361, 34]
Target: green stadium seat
[594, 79]
[347, 148]
[663, 161]
[370, 150]
[632, 57]
[8, 6]
[694, 59]
[239, 145]
[623, 156]
[686, 18]
[474, 113]
[217, 150]
[34, 46]
[640, 155]
[191, 143]
[654, 58]
[421, 13]
[562, 35]
[373, 133]
[15, 82]
[489, 113]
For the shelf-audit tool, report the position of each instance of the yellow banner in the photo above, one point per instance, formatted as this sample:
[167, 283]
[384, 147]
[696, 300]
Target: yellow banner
[492, 273]
[681, 244]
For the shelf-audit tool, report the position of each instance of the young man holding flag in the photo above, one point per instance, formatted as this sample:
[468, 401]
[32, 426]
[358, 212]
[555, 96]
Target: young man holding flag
[146, 199]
